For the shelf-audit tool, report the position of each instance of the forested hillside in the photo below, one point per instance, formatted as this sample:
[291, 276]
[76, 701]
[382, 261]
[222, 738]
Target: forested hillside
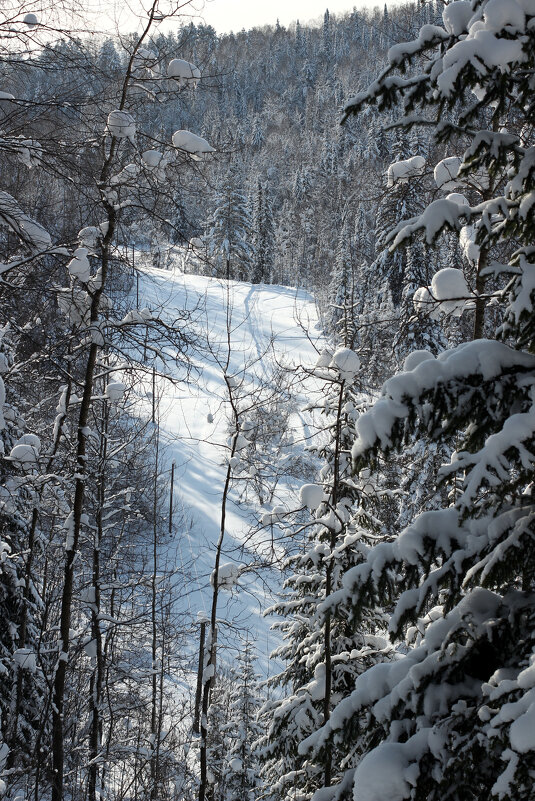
[180, 434]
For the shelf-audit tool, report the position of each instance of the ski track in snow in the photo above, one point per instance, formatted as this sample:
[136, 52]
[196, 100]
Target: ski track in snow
[269, 324]
[253, 322]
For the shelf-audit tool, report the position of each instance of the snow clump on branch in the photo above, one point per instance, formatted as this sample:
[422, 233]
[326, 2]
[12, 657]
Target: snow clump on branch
[449, 287]
[400, 171]
[30, 231]
[184, 73]
[227, 576]
[121, 124]
[456, 17]
[79, 266]
[448, 294]
[446, 172]
[26, 449]
[311, 495]
[192, 144]
[115, 391]
[346, 362]
[415, 358]
[89, 237]
[152, 158]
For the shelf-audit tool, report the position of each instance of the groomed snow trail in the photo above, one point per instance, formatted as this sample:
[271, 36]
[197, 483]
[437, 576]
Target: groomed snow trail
[266, 326]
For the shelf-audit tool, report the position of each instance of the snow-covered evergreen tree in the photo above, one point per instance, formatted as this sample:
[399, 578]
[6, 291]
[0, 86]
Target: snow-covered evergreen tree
[229, 232]
[218, 740]
[454, 717]
[21, 682]
[398, 202]
[342, 290]
[262, 235]
[317, 644]
[233, 729]
[245, 700]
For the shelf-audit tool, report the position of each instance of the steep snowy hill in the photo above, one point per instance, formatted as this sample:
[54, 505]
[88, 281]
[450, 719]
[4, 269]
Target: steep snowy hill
[252, 338]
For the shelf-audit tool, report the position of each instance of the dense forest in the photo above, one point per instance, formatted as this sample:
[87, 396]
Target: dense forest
[384, 163]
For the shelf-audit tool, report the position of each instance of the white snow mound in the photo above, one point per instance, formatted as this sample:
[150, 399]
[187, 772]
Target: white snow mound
[115, 390]
[228, 575]
[89, 236]
[185, 73]
[456, 197]
[325, 358]
[446, 172]
[152, 158]
[449, 284]
[26, 449]
[26, 659]
[401, 171]
[422, 300]
[456, 17]
[346, 362]
[191, 143]
[415, 358]
[79, 266]
[121, 124]
[311, 495]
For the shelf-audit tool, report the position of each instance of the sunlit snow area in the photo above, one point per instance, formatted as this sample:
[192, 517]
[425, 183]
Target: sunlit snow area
[256, 337]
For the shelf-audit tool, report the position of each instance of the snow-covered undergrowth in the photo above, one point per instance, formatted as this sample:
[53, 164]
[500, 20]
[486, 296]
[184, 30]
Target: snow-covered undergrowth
[243, 335]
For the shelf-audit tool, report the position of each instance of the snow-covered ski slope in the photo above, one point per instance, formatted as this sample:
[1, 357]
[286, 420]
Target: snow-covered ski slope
[244, 332]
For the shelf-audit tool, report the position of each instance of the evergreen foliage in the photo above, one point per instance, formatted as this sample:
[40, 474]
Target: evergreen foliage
[229, 233]
[263, 231]
[323, 652]
[453, 717]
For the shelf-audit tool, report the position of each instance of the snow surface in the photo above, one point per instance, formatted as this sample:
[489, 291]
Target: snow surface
[269, 325]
